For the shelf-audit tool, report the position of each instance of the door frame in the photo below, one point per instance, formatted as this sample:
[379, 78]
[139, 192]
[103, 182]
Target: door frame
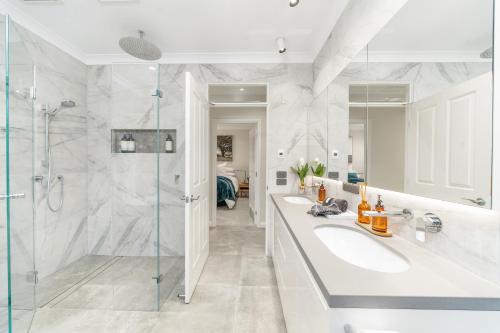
[258, 163]
[265, 211]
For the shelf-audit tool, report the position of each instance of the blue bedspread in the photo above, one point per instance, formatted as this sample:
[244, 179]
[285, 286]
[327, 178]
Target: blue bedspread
[225, 190]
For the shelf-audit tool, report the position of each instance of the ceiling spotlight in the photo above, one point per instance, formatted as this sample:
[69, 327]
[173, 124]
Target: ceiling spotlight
[281, 45]
[242, 89]
[294, 3]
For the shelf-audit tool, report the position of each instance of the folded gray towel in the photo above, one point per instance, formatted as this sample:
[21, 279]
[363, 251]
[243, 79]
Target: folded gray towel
[320, 210]
[340, 203]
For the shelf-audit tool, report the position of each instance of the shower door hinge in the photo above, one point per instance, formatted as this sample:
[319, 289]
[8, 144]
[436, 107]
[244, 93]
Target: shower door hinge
[157, 93]
[32, 277]
[33, 93]
[158, 278]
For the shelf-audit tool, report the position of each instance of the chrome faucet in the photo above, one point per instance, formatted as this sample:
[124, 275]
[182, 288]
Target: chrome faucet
[406, 213]
[428, 223]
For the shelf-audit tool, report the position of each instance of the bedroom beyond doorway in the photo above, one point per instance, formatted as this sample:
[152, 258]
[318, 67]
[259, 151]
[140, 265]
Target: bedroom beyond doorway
[238, 115]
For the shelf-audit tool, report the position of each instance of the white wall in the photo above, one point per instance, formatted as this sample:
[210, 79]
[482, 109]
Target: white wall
[386, 148]
[219, 114]
[240, 151]
[358, 150]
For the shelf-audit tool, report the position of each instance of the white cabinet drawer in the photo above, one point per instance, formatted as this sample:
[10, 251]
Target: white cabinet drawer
[304, 307]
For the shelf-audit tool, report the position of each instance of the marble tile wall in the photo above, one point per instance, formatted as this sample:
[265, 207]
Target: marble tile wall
[360, 21]
[470, 236]
[121, 187]
[59, 238]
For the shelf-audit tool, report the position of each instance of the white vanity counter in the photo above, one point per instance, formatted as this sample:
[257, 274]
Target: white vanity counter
[430, 284]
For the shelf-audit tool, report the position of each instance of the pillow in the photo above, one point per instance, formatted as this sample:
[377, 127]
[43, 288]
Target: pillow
[225, 169]
[226, 173]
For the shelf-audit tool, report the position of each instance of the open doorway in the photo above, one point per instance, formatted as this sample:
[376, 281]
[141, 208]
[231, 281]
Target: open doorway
[238, 116]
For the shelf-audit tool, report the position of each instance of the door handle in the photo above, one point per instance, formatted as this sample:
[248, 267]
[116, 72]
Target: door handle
[479, 201]
[12, 196]
[193, 198]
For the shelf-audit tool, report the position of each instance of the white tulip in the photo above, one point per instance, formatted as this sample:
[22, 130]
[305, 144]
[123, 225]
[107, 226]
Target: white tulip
[302, 162]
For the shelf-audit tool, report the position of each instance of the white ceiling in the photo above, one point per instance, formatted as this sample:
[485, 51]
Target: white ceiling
[185, 30]
[450, 27]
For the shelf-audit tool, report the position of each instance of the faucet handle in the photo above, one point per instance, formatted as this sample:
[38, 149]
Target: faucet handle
[433, 223]
[430, 222]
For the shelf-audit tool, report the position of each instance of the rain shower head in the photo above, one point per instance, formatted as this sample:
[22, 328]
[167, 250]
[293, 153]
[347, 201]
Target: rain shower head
[140, 48]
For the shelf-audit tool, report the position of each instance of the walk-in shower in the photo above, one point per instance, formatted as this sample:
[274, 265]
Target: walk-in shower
[49, 116]
[110, 234]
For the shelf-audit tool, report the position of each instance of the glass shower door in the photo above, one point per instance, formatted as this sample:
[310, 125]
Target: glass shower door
[16, 185]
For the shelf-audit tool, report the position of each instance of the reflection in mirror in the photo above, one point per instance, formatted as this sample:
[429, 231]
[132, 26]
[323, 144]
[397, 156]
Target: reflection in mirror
[377, 113]
[416, 118]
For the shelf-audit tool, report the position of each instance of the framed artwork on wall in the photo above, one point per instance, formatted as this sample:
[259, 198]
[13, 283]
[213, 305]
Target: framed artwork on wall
[224, 148]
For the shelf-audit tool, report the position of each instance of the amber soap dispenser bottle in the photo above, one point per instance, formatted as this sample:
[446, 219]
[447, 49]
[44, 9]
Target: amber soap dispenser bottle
[364, 205]
[322, 193]
[379, 223]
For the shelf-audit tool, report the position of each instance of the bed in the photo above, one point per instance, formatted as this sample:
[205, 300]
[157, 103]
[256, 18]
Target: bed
[227, 186]
[226, 193]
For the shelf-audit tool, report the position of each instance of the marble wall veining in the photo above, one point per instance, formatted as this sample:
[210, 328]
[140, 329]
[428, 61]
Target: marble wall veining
[119, 226]
[60, 238]
[122, 187]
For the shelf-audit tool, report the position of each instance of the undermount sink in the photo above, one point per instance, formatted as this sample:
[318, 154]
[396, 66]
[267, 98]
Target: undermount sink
[298, 200]
[361, 250]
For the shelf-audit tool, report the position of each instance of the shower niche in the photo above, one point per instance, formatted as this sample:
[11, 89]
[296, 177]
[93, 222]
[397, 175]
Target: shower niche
[144, 141]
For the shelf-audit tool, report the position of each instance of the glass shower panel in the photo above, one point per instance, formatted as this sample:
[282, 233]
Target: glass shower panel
[4, 290]
[17, 181]
[170, 218]
[133, 169]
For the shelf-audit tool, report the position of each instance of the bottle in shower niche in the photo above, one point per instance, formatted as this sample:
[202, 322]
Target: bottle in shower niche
[131, 143]
[124, 144]
[169, 144]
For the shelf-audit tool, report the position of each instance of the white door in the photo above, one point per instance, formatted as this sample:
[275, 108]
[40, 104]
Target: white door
[449, 144]
[251, 170]
[197, 185]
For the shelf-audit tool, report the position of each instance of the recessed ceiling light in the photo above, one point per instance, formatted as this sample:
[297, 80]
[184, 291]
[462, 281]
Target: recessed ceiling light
[153, 68]
[294, 3]
[242, 89]
[281, 44]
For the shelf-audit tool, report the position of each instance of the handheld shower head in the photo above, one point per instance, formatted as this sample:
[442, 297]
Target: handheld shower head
[68, 104]
[52, 112]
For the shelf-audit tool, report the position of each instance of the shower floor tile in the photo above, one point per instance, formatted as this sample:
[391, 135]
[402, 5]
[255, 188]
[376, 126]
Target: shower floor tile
[122, 283]
[237, 292]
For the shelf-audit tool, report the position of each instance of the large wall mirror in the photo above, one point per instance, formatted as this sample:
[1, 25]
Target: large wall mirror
[413, 112]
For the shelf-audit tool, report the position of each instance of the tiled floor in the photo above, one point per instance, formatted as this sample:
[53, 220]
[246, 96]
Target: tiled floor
[237, 293]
